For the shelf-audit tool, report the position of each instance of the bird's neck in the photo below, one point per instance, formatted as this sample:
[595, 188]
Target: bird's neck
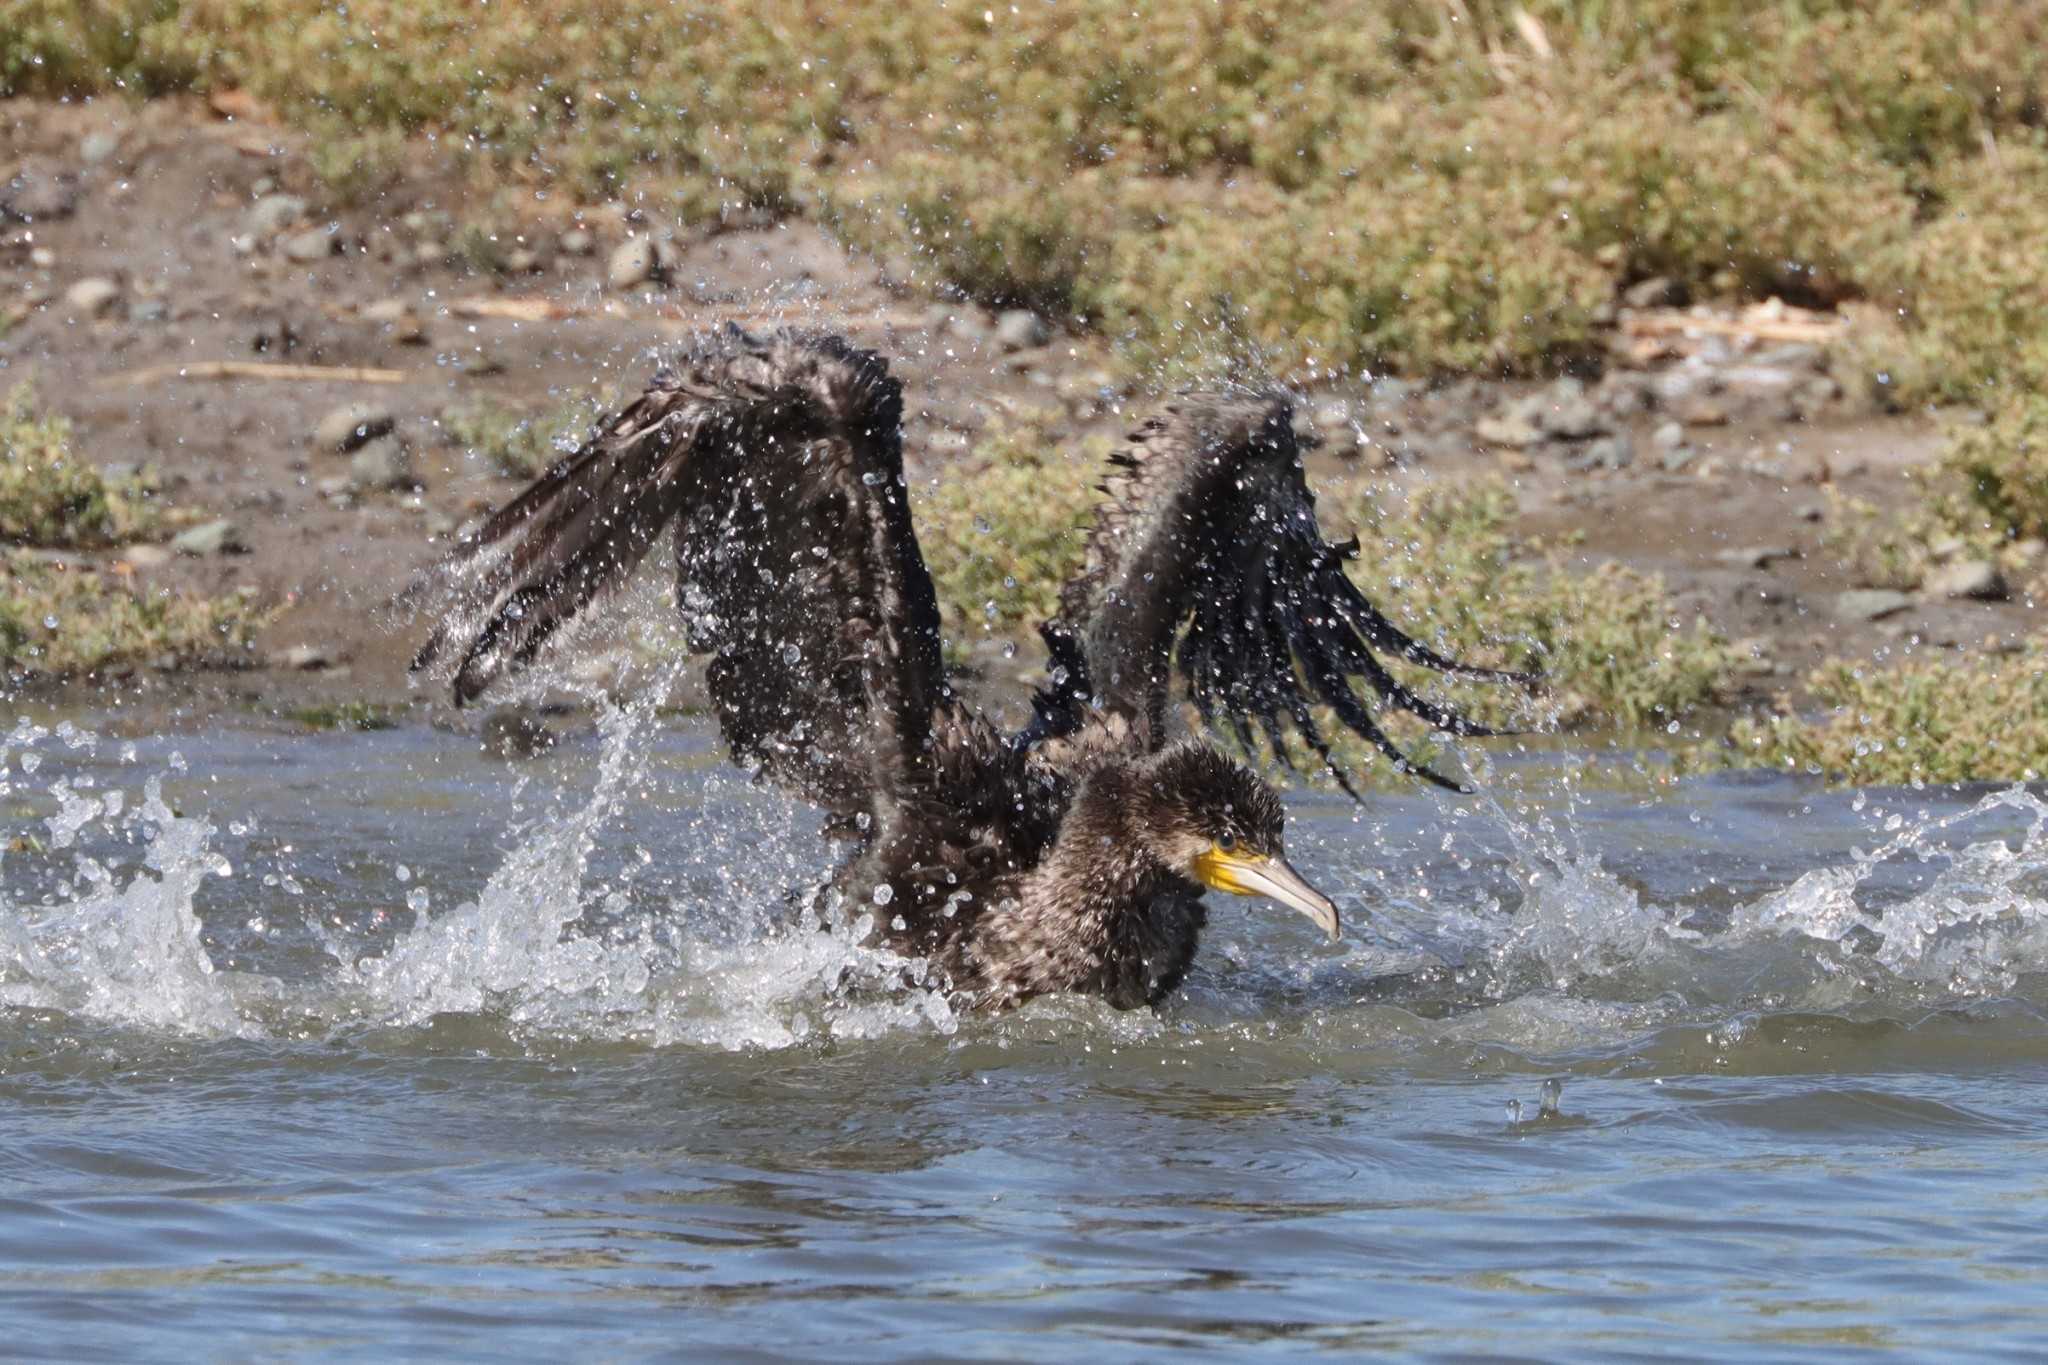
[1101, 913]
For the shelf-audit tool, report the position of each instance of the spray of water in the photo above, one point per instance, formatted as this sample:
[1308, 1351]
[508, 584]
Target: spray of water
[548, 947]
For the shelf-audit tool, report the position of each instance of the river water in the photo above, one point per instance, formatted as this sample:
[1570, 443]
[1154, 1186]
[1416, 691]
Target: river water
[358, 1045]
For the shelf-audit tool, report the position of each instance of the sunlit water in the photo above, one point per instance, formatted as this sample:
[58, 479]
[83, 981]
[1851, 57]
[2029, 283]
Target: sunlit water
[367, 1044]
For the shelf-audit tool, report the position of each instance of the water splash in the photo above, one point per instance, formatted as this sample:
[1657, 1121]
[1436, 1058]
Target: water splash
[1560, 952]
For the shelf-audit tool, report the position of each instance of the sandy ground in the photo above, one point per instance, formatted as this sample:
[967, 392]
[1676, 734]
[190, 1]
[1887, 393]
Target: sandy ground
[158, 200]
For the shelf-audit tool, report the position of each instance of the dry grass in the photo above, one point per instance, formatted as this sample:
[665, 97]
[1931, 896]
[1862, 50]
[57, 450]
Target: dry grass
[1412, 185]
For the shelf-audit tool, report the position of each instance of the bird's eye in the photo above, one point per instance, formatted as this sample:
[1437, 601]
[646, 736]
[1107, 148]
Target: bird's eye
[1226, 841]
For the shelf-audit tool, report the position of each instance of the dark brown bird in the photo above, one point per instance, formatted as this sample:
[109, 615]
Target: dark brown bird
[1069, 857]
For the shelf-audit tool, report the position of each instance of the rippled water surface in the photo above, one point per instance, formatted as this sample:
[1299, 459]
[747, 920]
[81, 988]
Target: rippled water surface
[366, 1044]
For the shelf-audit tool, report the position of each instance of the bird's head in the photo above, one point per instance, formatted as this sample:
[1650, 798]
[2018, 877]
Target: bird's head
[1217, 822]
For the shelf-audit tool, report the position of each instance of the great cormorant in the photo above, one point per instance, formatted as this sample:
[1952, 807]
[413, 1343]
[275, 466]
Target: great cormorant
[1069, 857]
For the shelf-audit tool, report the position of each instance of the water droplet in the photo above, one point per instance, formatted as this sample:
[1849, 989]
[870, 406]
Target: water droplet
[1514, 1111]
[404, 873]
[416, 900]
[258, 925]
[884, 894]
[1553, 1091]
[791, 654]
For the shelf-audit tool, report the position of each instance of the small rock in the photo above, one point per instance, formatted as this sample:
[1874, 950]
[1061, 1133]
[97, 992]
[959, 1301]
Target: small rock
[1757, 556]
[303, 658]
[37, 194]
[146, 556]
[1761, 379]
[430, 253]
[1870, 604]
[1976, 579]
[1566, 412]
[969, 325]
[1655, 292]
[633, 262]
[408, 328]
[272, 214]
[314, 244]
[1947, 548]
[94, 148]
[1509, 429]
[1020, 329]
[352, 426]
[1674, 460]
[522, 261]
[1791, 355]
[1702, 412]
[93, 297]
[1668, 436]
[210, 538]
[1608, 452]
[383, 462]
[41, 257]
[576, 242]
[148, 310]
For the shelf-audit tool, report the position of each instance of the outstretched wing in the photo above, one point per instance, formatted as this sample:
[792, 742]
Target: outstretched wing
[1209, 526]
[779, 459]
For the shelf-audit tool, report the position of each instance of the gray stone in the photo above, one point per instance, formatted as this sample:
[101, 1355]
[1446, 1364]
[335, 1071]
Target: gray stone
[93, 297]
[1761, 379]
[633, 262]
[146, 556]
[1757, 556]
[94, 148]
[304, 658]
[352, 426]
[1791, 355]
[272, 214]
[41, 257]
[210, 538]
[1870, 604]
[38, 194]
[1655, 292]
[1607, 452]
[1976, 579]
[314, 244]
[577, 242]
[1020, 329]
[1668, 436]
[968, 325]
[1511, 429]
[381, 463]
[1566, 412]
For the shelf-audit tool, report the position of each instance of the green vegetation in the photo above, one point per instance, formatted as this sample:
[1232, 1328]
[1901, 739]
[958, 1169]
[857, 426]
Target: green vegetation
[345, 715]
[1933, 718]
[65, 618]
[68, 620]
[48, 497]
[1004, 529]
[517, 445]
[1607, 643]
[1411, 185]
